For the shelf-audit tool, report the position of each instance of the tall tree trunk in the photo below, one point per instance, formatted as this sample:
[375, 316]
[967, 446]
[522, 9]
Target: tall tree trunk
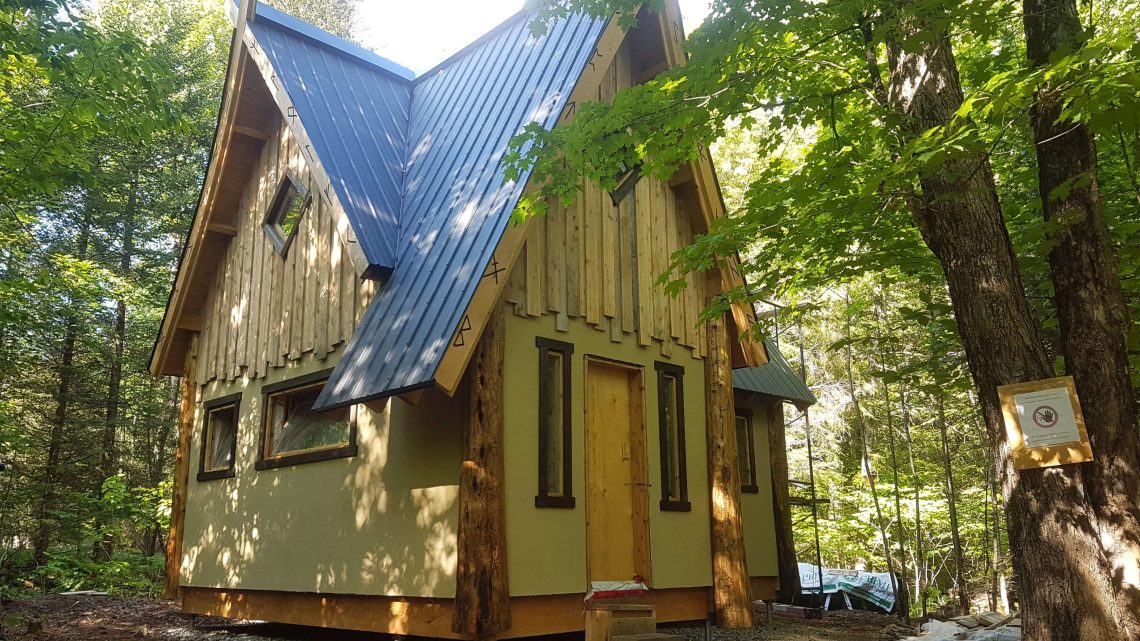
[1053, 533]
[65, 371]
[952, 504]
[104, 547]
[781, 507]
[920, 553]
[1093, 315]
[885, 333]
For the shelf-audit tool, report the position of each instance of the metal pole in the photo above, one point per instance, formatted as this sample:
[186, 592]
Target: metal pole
[811, 469]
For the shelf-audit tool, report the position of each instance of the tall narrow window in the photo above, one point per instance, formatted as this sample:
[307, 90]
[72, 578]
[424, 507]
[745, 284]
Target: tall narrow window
[746, 452]
[555, 485]
[219, 438]
[671, 410]
[284, 213]
[295, 433]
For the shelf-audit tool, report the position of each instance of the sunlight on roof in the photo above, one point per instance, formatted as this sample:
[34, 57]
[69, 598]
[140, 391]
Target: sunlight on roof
[420, 35]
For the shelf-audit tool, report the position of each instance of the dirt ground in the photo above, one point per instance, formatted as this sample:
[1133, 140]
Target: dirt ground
[99, 618]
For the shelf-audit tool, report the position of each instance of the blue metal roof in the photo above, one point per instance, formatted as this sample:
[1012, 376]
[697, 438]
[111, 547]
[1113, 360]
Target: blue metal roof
[355, 108]
[418, 166]
[774, 378]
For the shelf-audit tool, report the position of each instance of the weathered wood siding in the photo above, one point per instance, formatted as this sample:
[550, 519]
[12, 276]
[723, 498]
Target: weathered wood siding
[265, 310]
[596, 261]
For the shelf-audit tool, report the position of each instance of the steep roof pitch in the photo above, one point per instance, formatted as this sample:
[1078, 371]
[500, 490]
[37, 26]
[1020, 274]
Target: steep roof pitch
[775, 378]
[457, 201]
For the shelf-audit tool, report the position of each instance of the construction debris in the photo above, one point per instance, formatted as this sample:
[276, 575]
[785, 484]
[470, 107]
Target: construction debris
[987, 626]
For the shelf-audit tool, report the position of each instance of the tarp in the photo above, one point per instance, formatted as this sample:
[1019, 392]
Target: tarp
[873, 587]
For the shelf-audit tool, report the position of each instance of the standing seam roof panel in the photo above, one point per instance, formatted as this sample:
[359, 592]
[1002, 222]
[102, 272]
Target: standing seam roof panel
[457, 201]
[774, 378]
[330, 90]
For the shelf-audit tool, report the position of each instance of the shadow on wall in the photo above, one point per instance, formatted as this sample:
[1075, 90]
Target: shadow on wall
[382, 522]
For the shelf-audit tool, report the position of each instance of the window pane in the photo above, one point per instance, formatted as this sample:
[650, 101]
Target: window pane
[747, 474]
[295, 426]
[670, 457]
[220, 435]
[290, 213]
[551, 424]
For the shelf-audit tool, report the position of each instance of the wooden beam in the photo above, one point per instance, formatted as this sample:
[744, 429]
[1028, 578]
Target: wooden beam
[173, 570]
[490, 289]
[732, 597]
[251, 132]
[482, 596]
[224, 229]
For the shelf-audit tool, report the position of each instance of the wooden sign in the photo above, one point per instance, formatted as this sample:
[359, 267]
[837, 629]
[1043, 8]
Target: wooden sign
[1044, 424]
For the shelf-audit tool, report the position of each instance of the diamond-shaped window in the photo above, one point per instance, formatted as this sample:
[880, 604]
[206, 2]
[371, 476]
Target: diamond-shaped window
[284, 215]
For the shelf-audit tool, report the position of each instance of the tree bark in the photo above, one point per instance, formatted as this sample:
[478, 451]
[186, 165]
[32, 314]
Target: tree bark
[781, 507]
[732, 598]
[172, 575]
[1092, 312]
[1053, 533]
[952, 505]
[482, 595]
[920, 552]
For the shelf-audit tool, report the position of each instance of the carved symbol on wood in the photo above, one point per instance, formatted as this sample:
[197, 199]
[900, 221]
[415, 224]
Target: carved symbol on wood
[494, 269]
[676, 31]
[464, 327]
[292, 112]
[569, 110]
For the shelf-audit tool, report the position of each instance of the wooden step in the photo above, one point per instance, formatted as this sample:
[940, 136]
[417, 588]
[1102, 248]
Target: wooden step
[626, 626]
[651, 636]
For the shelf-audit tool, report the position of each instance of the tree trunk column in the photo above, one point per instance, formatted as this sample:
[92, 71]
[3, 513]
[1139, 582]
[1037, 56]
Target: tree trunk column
[482, 597]
[782, 505]
[173, 571]
[732, 596]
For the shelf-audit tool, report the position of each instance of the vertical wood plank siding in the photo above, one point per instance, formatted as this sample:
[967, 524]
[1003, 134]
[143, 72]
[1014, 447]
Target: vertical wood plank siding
[599, 262]
[265, 309]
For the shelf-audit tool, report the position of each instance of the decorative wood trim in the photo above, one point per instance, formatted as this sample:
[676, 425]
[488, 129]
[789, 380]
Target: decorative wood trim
[482, 595]
[208, 407]
[541, 499]
[173, 568]
[731, 590]
[494, 278]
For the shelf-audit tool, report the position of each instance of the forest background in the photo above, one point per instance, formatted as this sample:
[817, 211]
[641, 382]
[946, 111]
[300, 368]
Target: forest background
[107, 112]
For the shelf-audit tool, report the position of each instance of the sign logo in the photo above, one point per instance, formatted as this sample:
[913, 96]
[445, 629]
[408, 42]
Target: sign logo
[1045, 417]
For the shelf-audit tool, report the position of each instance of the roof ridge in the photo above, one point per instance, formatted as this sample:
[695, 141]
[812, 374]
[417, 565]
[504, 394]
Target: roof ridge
[332, 42]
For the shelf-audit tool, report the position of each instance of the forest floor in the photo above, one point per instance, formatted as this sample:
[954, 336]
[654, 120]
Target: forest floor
[100, 618]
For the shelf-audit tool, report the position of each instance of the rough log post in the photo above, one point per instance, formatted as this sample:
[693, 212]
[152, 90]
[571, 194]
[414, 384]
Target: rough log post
[732, 596]
[781, 506]
[173, 571]
[482, 599]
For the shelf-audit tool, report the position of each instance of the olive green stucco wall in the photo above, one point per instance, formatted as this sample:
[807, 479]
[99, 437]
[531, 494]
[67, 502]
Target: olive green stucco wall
[546, 547]
[382, 522]
[756, 509]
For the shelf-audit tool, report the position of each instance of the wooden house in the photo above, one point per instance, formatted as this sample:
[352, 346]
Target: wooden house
[401, 412]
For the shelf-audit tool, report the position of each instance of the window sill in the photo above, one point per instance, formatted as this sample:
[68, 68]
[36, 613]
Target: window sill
[676, 506]
[565, 502]
[215, 475]
[287, 460]
[749, 489]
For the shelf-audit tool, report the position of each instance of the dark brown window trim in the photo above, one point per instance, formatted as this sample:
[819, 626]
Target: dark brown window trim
[542, 499]
[207, 407]
[679, 504]
[269, 463]
[748, 486]
[289, 182]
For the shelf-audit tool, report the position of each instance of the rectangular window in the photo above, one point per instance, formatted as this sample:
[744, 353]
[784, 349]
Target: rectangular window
[219, 438]
[671, 413]
[746, 452]
[555, 486]
[294, 433]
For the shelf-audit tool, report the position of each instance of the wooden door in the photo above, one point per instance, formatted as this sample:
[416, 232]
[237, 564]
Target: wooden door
[617, 498]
